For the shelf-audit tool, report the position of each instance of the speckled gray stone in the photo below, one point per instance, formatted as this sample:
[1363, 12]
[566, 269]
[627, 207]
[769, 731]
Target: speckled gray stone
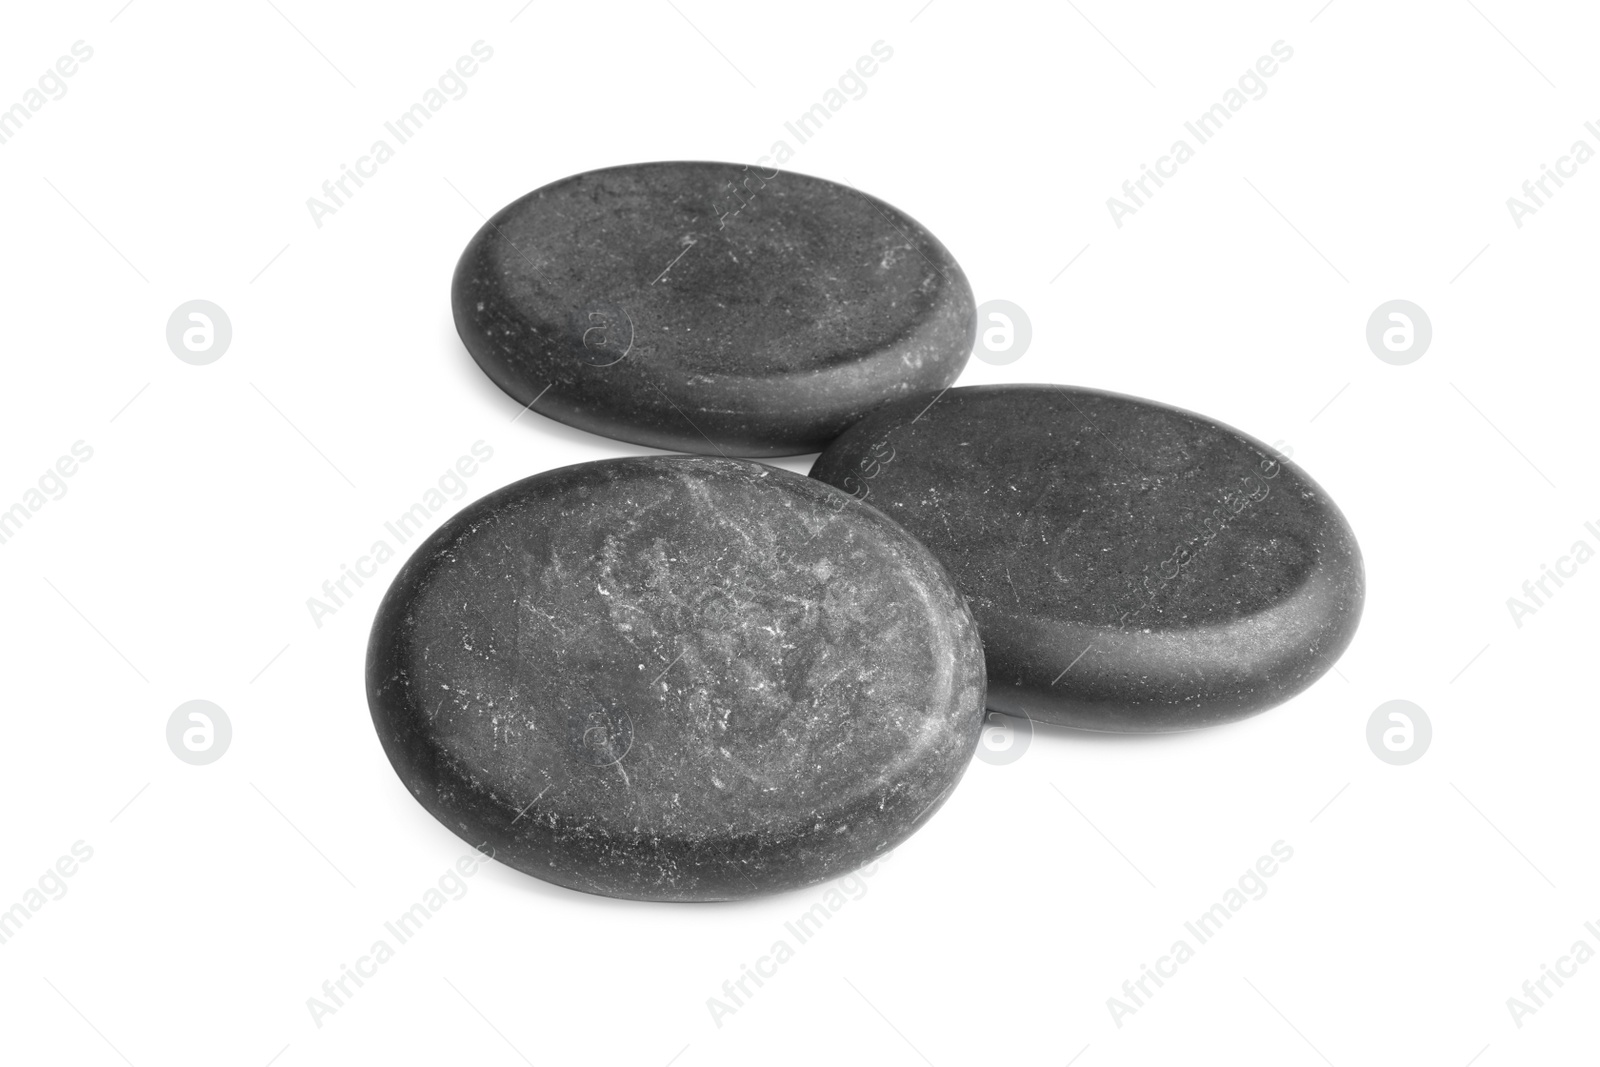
[1132, 567]
[676, 678]
[710, 307]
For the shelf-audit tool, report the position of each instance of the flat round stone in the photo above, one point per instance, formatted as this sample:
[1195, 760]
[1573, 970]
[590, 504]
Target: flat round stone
[676, 678]
[1132, 567]
[710, 307]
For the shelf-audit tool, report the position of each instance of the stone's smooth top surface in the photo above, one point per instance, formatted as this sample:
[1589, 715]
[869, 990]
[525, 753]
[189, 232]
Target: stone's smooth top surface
[710, 307]
[1132, 567]
[676, 678]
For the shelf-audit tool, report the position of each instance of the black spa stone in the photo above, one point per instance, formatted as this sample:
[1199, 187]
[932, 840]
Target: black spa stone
[709, 307]
[676, 678]
[1132, 567]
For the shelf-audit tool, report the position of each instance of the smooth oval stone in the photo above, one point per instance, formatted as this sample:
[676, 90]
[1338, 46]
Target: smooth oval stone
[676, 678]
[1132, 567]
[709, 307]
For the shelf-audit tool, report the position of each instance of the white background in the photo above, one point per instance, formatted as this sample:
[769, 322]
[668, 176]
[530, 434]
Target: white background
[219, 498]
